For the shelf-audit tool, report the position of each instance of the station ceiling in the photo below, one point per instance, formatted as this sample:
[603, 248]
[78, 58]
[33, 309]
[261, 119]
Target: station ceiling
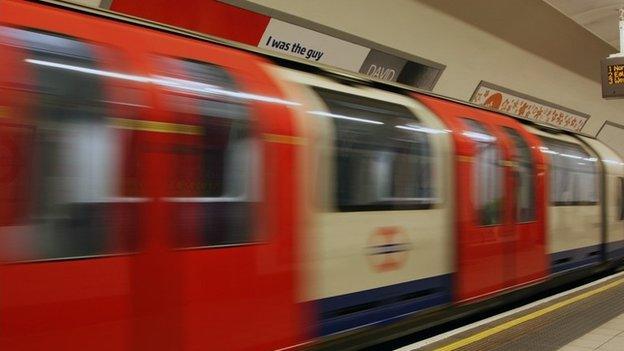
[598, 16]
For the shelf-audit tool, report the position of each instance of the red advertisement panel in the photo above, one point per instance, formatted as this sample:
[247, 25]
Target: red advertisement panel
[205, 16]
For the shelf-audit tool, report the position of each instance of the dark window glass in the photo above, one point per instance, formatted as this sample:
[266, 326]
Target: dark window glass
[525, 177]
[487, 172]
[74, 209]
[621, 197]
[213, 159]
[383, 157]
[573, 174]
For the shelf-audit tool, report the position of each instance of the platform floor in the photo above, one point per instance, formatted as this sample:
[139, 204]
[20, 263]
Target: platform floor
[590, 317]
[607, 337]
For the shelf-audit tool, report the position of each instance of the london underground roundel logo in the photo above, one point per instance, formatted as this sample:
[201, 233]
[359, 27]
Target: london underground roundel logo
[388, 248]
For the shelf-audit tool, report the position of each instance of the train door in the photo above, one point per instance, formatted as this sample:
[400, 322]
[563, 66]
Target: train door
[68, 222]
[517, 233]
[485, 251]
[485, 244]
[229, 172]
[528, 206]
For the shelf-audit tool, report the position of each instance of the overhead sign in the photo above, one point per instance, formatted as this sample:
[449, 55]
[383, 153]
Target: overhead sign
[313, 46]
[613, 77]
[528, 107]
[317, 47]
[312, 43]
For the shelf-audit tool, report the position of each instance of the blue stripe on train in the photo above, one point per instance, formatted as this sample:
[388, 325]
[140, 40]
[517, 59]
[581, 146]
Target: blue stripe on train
[615, 249]
[389, 303]
[575, 258]
[381, 305]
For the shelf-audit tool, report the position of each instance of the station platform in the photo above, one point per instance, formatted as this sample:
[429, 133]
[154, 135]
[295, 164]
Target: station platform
[590, 317]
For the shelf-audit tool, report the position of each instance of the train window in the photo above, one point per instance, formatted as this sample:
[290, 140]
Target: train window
[383, 157]
[74, 153]
[525, 180]
[573, 174]
[488, 173]
[213, 158]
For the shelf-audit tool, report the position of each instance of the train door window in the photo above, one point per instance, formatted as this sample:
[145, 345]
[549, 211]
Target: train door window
[573, 174]
[525, 180]
[487, 172]
[214, 154]
[75, 168]
[383, 157]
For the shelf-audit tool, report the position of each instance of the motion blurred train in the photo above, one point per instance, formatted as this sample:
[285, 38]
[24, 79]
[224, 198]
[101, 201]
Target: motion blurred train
[165, 191]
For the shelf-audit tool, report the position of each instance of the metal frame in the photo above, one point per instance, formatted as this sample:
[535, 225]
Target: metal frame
[612, 124]
[486, 84]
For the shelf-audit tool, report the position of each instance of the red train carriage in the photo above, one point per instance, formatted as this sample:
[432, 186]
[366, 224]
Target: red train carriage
[150, 202]
[501, 206]
[159, 192]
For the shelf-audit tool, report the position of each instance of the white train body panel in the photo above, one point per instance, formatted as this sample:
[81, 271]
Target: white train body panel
[570, 227]
[613, 167]
[337, 247]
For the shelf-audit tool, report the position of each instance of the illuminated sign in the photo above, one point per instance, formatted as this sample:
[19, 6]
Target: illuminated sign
[615, 74]
[527, 107]
[613, 77]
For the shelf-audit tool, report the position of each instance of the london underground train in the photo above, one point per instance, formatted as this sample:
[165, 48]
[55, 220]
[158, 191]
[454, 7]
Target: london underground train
[160, 191]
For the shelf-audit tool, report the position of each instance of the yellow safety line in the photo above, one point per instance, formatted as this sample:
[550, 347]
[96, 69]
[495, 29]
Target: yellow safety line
[486, 333]
[462, 158]
[283, 139]
[153, 126]
[165, 127]
[512, 164]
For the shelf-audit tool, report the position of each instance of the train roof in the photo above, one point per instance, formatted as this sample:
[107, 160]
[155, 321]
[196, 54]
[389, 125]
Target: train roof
[344, 76]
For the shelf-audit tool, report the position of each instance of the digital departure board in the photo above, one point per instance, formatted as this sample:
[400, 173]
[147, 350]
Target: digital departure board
[615, 74]
[613, 77]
